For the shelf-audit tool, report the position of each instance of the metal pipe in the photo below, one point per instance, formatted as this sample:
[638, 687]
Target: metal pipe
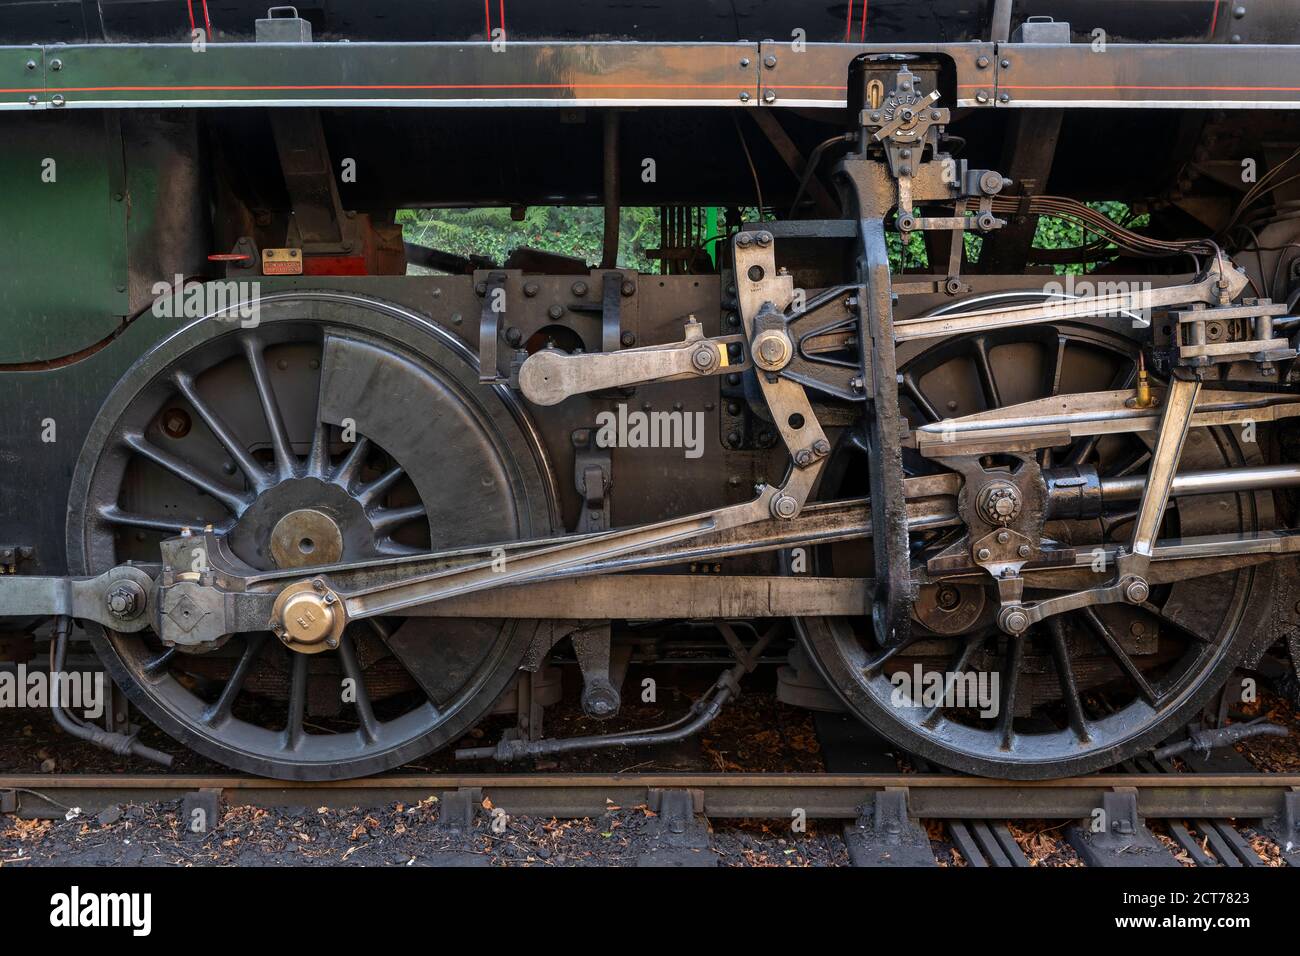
[701, 714]
[116, 743]
[1216, 481]
[609, 248]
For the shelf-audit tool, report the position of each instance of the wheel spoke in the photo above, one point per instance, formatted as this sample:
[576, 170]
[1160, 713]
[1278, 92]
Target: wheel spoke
[389, 519]
[988, 383]
[114, 515]
[318, 459]
[1121, 657]
[369, 493]
[233, 500]
[1052, 383]
[923, 403]
[249, 465]
[293, 725]
[219, 712]
[286, 463]
[352, 670]
[350, 467]
[1010, 678]
[959, 664]
[1065, 676]
[155, 664]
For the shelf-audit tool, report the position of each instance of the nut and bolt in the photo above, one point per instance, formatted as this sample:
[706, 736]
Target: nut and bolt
[628, 339]
[1024, 551]
[124, 600]
[531, 289]
[983, 554]
[1136, 591]
[769, 61]
[821, 447]
[579, 289]
[1003, 537]
[1015, 621]
[704, 359]
[784, 506]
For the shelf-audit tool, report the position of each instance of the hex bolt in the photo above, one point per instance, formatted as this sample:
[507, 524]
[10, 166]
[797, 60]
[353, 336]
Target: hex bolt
[821, 447]
[744, 240]
[1024, 551]
[764, 239]
[579, 289]
[803, 458]
[556, 311]
[318, 584]
[983, 554]
[514, 336]
[628, 288]
[1003, 537]
[982, 62]
[531, 289]
[769, 61]
[124, 600]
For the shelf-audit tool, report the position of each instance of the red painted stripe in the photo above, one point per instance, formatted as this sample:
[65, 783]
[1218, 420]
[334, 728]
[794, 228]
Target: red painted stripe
[863, 35]
[848, 23]
[1215, 18]
[190, 4]
[207, 21]
[502, 13]
[395, 86]
[487, 20]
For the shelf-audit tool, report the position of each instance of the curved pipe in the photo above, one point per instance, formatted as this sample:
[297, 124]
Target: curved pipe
[116, 743]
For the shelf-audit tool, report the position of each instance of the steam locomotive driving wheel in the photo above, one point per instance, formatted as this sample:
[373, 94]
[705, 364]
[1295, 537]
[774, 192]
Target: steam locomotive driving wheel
[333, 428]
[1078, 691]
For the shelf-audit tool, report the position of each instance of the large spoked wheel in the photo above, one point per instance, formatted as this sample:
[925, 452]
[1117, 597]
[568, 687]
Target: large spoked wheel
[338, 428]
[1080, 691]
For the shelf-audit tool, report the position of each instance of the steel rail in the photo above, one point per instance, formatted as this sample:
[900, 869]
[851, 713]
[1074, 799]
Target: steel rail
[825, 796]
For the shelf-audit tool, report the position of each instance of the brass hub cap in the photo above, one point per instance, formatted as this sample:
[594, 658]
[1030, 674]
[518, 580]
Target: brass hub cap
[308, 617]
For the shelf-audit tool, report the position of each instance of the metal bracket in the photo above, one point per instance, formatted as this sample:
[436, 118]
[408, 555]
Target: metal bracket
[593, 471]
[1124, 840]
[889, 836]
[491, 320]
[600, 697]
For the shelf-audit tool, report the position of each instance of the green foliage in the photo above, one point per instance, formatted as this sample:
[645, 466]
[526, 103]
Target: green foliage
[578, 230]
[566, 230]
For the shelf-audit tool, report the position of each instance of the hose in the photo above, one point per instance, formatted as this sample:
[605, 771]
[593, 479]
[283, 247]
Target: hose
[116, 743]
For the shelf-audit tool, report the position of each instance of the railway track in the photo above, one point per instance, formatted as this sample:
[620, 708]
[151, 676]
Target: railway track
[1211, 819]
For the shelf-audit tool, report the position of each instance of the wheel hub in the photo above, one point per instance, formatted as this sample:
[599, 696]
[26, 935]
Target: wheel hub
[306, 537]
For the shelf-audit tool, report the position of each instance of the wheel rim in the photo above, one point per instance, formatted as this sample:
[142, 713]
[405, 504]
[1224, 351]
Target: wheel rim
[248, 430]
[1099, 716]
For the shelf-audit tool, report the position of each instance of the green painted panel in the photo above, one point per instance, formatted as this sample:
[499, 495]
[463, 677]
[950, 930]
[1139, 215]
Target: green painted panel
[63, 243]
